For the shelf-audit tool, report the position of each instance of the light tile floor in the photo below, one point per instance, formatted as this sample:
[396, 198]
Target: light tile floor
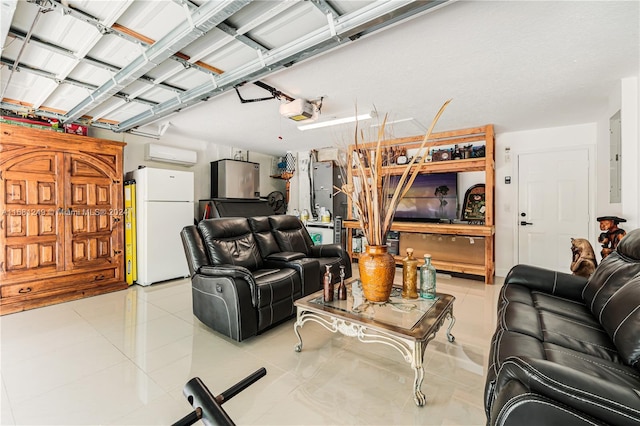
[124, 357]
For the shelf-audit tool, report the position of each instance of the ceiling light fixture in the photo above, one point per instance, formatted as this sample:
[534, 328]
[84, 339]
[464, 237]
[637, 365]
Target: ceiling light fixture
[335, 122]
[401, 120]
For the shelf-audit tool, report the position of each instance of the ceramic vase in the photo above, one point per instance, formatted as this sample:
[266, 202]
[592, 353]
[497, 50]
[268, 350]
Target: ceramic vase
[377, 269]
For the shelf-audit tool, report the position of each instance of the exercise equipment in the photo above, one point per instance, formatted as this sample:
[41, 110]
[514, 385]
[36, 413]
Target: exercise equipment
[208, 408]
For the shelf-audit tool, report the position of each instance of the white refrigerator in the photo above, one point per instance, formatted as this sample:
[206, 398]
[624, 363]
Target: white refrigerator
[164, 205]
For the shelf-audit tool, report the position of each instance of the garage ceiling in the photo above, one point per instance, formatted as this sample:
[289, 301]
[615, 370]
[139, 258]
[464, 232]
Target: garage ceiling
[124, 64]
[174, 66]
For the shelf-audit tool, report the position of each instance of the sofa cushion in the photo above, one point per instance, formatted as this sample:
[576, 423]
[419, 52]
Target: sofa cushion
[261, 228]
[274, 285]
[290, 234]
[230, 241]
[621, 319]
[629, 246]
[277, 289]
[613, 272]
[554, 328]
[194, 249]
[590, 364]
[521, 318]
[568, 333]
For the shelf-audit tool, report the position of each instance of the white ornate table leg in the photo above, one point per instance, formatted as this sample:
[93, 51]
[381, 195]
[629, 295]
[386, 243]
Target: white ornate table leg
[450, 337]
[296, 327]
[418, 396]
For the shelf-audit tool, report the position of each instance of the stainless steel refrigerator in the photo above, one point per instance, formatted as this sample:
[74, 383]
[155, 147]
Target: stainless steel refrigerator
[164, 205]
[235, 179]
[326, 175]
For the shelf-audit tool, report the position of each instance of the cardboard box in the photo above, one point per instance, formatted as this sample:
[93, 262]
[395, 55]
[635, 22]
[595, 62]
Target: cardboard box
[35, 123]
[76, 129]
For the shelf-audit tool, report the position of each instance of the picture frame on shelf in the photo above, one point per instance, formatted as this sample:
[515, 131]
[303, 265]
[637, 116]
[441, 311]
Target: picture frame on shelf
[473, 209]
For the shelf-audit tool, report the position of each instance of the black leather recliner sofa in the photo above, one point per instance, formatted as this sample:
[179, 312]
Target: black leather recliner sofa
[566, 349]
[247, 272]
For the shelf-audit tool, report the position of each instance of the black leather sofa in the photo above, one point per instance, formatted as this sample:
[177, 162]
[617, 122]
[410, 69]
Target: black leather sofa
[566, 349]
[247, 272]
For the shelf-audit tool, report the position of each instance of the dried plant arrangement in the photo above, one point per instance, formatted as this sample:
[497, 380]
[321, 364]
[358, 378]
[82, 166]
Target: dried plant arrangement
[370, 189]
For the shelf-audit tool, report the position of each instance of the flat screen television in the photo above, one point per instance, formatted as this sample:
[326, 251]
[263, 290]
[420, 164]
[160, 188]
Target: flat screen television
[432, 197]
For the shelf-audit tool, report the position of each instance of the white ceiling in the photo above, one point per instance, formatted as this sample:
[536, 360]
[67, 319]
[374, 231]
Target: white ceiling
[519, 65]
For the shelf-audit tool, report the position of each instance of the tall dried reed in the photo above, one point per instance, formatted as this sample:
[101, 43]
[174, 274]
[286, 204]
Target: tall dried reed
[371, 185]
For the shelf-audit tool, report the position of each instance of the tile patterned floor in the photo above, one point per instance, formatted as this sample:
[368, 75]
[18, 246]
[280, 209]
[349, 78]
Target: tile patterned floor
[123, 358]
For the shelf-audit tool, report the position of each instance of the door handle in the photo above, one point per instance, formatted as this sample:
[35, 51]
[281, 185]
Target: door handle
[523, 223]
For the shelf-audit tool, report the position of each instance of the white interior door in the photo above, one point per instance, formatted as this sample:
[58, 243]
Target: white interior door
[553, 206]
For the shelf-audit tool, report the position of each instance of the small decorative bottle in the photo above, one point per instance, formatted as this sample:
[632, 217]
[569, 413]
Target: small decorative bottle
[342, 287]
[427, 279]
[328, 285]
[429, 157]
[457, 154]
[409, 276]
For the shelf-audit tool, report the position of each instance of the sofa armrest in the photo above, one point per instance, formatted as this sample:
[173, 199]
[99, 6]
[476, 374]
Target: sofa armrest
[225, 304]
[285, 256]
[544, 280]
[308, 268]
[326, 250]
[233, 271]
[598, 391]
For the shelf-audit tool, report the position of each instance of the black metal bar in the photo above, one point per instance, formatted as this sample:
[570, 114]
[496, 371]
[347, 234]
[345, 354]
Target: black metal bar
[241, 385]
[190, 418]
[201, 398]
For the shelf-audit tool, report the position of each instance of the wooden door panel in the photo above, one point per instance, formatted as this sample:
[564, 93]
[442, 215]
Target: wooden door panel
[103, 247]
[103, 194]
[15, 192]
[79, 251]
[29, 257]
[79, 224]
[37, 164]
[47, 224]
[104, 221]
[16, 257]
[90, 249]
[46, 193]
[92, 225]
[80, 166]
[31, 228]
[79, 195]
[16, 225]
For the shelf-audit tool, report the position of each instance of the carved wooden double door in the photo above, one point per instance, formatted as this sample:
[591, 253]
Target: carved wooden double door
[61, 218]
[59, 213]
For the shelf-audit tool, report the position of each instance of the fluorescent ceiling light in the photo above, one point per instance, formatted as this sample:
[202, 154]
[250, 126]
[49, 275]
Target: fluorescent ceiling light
[401, 120]
[335, 122]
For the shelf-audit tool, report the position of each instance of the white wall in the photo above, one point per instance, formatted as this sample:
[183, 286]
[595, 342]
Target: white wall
[624, 98]
[630, 134]
[603, 206]
[207, 152]
[506, 199]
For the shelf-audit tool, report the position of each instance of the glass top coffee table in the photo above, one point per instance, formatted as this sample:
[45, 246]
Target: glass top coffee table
[404, 324]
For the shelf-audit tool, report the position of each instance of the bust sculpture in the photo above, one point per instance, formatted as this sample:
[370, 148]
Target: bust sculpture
[611, 235]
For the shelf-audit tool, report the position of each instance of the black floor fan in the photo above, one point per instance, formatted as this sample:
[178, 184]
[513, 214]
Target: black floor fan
[207, 407]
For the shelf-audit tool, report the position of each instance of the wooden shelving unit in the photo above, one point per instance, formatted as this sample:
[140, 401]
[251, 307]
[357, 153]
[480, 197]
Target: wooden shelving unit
[486, 164]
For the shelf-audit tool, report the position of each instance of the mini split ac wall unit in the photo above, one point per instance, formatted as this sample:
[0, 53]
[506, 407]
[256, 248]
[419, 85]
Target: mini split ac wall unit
[170, 154]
